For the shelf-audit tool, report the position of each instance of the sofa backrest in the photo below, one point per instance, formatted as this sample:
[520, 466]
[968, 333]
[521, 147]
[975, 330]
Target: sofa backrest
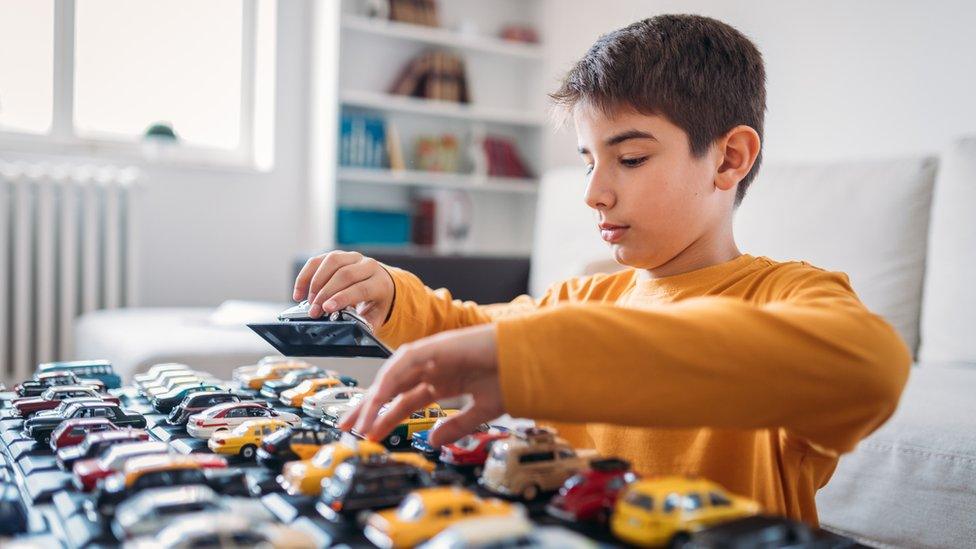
[948, 329]
[868, 219]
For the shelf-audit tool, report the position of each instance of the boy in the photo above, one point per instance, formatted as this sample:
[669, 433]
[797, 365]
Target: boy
[697, 360]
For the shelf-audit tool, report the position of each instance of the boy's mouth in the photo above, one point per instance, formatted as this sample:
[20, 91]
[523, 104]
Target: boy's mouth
[612, 233]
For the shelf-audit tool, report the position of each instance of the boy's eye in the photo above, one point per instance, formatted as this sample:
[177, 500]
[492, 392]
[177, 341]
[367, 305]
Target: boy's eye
[633, 162]
[589, 169]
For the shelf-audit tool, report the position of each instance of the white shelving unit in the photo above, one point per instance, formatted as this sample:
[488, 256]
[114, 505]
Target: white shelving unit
[356, 60]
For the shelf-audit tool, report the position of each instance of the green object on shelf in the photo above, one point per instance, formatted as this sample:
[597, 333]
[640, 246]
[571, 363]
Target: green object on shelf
[364, 227]
[161, 131]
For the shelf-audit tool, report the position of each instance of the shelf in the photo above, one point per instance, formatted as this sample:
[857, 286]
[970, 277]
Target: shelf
[442, 37]
[444, 109]
[415, 178]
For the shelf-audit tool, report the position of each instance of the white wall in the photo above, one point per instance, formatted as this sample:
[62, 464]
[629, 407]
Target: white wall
[844, 79]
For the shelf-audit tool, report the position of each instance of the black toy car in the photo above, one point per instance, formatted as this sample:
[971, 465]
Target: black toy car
[41, 382]
[274, 388]
[198, 402]
[165, 402]
[294, 443]
[113, 490]
[766, 531]
[44, 423]
[373, 483]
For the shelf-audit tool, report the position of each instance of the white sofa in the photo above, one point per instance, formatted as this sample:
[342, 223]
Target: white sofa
[905, 232]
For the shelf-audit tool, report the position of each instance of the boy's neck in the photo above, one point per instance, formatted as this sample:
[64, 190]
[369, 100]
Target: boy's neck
[709, 249]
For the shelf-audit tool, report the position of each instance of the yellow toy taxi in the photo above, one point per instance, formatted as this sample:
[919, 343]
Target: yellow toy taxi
[420, 420]
[427, 511]
[305, 476]
[294, 397]
[245, 439]
[667, 510]
[267, 372]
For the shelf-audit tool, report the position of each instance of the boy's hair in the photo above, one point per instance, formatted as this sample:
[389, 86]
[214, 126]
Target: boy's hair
[703, 75]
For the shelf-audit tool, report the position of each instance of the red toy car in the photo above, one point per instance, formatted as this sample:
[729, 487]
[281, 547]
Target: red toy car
[591, 494]
[52, 396]
[89, 471]
[471, 450]
[95, 444]
[73, 431]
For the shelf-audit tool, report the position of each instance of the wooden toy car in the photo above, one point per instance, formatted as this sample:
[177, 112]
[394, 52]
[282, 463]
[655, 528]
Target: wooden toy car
[43, 381]
[420, 420]
[244, 440]
[316, 404]
[224, 417]
[95, 444]
[668, 510]
[294, 443]
[592, 493]
[530, 462]
[377, 482]
[154, 471]
[197, 402]
[73, 431]
[52, 397]
[471, 450]
[427, 511]
[295, 396]
[100, 370]
[88, 472]
[305, 476]
[43, 424]
[153, 509]
[268, 372]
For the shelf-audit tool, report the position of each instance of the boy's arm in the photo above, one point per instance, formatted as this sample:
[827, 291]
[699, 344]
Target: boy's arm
[817, 363]
[419, 311]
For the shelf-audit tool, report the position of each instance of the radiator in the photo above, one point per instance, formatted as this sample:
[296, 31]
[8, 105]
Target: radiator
[66, 239]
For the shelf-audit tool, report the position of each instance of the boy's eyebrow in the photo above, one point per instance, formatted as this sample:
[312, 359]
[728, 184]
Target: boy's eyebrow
[620, 138]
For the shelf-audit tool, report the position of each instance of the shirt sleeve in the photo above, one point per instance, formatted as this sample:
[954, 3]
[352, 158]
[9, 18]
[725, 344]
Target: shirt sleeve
[814, 361]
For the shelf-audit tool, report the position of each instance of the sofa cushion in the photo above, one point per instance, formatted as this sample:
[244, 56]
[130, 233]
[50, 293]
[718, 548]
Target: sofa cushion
[913, 482]
[868, 219]
[949, 307]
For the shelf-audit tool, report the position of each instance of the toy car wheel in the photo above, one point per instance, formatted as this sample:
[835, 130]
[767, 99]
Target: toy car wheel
[395, 440]
[247, 452]
[679, 540]
[531, 492]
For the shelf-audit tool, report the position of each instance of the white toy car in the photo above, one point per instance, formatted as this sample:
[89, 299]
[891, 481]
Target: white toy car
[333, 414]
[149, 511]
[223, 531]
[155, 372]
[506, 531]
[316, 405]
[227, 416]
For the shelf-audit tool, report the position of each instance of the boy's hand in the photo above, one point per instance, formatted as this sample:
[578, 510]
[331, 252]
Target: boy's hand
[338, 279]
[445, 365]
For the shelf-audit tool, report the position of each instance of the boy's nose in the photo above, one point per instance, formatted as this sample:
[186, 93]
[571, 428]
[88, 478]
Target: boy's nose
[598, 196]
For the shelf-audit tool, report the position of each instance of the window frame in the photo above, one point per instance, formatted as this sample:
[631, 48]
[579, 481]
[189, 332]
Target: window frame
[62, 139]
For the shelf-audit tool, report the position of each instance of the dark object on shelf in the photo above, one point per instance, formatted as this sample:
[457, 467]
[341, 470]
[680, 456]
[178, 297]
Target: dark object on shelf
[482, 279]
[341, 334]
[417, 12]
[503, 159]
[424, 217]
[519, 33]
[766, 532]
[435, 75]
[161, 131]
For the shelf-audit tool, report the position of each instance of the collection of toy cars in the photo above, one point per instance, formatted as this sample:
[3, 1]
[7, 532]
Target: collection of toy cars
[181, 459]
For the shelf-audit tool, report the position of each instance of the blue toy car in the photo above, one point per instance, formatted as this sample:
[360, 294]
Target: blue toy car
[86, 369]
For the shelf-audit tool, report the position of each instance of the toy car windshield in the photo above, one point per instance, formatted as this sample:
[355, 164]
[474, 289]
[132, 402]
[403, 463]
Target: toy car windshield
[341, 334]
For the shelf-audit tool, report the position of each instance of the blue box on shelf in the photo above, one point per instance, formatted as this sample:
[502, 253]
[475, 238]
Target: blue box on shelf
[376, 227]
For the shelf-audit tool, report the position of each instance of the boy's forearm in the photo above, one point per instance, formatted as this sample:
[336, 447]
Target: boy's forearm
[826, 369]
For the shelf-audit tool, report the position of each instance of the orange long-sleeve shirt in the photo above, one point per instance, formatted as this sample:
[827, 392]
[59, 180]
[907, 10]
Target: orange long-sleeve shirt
[753, 373]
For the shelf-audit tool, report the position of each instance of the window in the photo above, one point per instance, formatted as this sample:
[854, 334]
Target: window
[718, 499]
[671, 502]
[94, 75]
[692, 502]
[536, 457]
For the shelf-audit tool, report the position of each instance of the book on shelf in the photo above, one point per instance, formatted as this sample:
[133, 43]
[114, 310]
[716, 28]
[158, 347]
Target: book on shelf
[503, 159]
[362, 141]
[417, 12]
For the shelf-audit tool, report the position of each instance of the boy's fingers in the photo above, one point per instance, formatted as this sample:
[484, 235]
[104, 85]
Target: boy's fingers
[401, 408]
[305, 276]
[402, 371]
[349, 419]
[463, 423]
[332, 263]
[344, 278]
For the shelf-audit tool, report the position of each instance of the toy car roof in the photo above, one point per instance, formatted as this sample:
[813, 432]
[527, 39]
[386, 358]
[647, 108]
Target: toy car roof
[536, 434]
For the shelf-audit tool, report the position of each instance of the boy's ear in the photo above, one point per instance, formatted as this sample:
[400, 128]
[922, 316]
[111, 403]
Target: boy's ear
[738, 150]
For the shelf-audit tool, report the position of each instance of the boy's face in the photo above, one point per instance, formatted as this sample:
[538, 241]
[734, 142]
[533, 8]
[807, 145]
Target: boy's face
[653, 199]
